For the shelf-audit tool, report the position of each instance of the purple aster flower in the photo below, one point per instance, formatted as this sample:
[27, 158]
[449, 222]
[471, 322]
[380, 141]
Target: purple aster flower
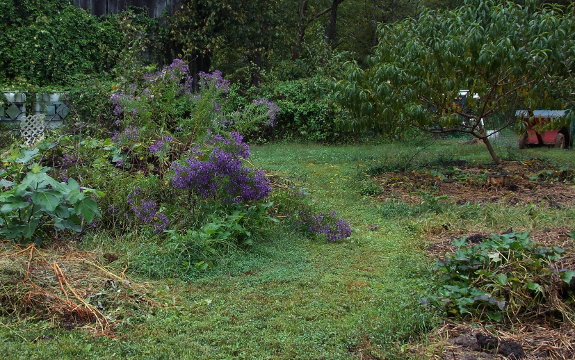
[222, 174]
[273, 109]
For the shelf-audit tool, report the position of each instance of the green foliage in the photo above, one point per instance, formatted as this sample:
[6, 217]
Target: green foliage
[500, 52]
[307, 111]
[89, 100]
[187, 252]
[429, 205]
[254, 119]
[43, 44]
[88, 93]
[218, 30]
[35, 204]
[501, 277]
[368, 187]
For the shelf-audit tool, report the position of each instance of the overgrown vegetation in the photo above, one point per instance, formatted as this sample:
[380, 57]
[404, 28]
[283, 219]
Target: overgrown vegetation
[177, 198]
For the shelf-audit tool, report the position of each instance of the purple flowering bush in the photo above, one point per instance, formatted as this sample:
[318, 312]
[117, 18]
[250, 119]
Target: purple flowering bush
[169, 110]
[328, 225]
[217, 171]
[293, 205]
[147, 211]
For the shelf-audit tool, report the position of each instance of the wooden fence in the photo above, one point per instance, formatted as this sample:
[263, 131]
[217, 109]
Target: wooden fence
[155, 8]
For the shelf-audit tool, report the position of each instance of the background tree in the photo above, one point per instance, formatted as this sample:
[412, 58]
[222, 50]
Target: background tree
[234, 34]
[359, 19]
[501, 52]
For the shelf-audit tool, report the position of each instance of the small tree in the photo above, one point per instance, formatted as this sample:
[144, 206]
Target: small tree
[501, 53]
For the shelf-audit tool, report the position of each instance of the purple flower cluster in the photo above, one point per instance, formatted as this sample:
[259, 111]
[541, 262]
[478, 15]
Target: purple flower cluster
[328, 225]
[147, 211]
[116, 99]
[273, 109]
[129, 133]
[175, 71]
[216, 79]
[234, 144]
[63, 175]
[221, 174]
[161, 145]
[69, 160]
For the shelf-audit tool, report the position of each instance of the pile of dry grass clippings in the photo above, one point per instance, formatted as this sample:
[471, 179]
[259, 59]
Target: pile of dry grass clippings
[71, 288]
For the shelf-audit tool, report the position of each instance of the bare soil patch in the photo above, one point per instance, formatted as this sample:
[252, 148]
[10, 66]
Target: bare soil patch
[525, 182]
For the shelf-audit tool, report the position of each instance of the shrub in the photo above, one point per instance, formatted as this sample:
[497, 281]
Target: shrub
[307, 112]
[46, 46]
[218, 171]
[188, 251]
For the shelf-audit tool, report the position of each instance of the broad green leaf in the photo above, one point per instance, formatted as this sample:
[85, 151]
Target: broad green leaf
[36, 168]
[72, 223]
[6, 183]
[27, 155]
[88, 209]
[502, 278]
[75, 196]
[47, 199]
[567, 276]
[13, 203]
[495, 256]
[460, 242]
[68, 188]
[495, 316]
[533, 286]
[460, 255]
[62, 211]
[30, 228]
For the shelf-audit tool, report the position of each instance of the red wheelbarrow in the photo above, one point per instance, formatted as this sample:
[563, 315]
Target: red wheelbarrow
[559, 138]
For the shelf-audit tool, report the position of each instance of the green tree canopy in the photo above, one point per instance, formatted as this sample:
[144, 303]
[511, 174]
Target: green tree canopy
[502, 53]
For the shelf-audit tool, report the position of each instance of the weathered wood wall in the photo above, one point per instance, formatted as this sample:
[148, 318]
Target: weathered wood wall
[155, 8]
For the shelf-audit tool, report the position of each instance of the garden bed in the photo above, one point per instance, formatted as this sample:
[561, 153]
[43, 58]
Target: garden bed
[457, 183]
[527, 182]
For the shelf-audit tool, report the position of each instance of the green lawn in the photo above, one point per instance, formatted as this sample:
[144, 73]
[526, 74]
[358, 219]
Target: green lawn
[287, 297]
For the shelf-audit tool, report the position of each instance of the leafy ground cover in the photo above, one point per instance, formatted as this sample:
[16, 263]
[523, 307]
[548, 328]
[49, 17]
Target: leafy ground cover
[289, 296]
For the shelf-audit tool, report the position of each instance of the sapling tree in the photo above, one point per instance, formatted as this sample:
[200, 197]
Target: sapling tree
[499, 54]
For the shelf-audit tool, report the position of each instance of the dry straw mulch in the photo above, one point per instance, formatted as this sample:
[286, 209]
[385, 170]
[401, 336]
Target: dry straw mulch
[69, 287]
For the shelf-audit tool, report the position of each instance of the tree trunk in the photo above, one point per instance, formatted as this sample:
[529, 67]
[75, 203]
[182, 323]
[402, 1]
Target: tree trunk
[330, 31]
[491, 151]
[255, 72]
[303, 24]
[301, 30]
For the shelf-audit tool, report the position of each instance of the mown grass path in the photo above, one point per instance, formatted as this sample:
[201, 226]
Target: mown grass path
[286, 298]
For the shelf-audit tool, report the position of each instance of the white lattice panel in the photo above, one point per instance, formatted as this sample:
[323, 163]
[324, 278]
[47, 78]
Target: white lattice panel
[32, 128]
